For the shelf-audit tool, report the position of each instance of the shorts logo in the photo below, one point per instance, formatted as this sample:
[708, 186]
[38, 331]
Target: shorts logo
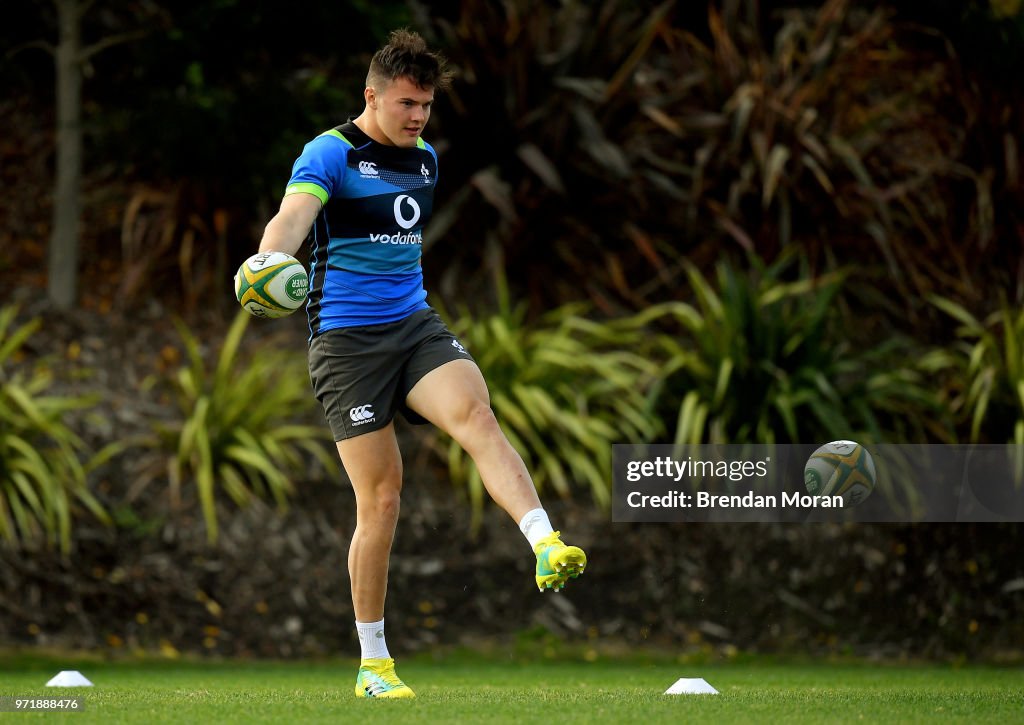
[361, 414]
[458, 346]
[367, 168]
[406, 223]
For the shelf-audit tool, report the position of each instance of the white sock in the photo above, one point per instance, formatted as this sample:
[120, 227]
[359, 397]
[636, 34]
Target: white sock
[535, 526]
[371, 640]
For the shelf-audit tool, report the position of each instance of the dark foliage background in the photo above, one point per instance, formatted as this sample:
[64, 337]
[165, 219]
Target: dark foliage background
[593, 156]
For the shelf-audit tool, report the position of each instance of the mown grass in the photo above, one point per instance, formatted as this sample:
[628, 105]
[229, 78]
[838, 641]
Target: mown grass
[459, 689]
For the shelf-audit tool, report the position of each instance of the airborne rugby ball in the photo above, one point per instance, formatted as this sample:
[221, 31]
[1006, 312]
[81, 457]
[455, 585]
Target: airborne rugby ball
[840, 468]
[271, 284]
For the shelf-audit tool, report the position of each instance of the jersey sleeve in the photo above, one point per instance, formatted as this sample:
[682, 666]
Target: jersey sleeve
[437, 164]
[320, 168]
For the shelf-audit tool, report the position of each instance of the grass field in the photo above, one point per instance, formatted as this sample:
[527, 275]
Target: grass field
[474, 689]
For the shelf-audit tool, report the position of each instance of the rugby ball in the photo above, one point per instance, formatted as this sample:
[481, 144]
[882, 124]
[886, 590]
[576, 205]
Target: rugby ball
[271, 284]
[840, 468]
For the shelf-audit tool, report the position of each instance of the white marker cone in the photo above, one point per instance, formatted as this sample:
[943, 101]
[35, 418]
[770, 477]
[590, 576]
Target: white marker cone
[691, 686]
[69, 678]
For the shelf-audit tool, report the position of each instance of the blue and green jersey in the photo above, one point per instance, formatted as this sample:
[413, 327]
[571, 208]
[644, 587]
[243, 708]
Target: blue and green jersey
[367, 239]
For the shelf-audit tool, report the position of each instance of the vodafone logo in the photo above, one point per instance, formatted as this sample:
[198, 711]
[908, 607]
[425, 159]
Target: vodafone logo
[402, 201]
[361, 414]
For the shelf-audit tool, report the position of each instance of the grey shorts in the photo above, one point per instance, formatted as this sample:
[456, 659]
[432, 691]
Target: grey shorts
[362, 375]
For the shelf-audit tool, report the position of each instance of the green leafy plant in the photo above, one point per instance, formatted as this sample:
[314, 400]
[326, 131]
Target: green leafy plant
[768, 356]
[42, 476]
[989, 364]
[237, 434]
[564, 389]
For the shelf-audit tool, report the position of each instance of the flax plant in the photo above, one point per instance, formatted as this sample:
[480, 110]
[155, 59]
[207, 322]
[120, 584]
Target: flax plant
[564, 388]
[237, 434]
[655, 136]
[768, 355]
[43, 478]
[989, 363]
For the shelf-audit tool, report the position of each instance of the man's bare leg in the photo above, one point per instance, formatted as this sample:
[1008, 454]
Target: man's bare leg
[454, 397]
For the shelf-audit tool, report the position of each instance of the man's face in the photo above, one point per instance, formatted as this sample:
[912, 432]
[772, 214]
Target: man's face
[402, 109]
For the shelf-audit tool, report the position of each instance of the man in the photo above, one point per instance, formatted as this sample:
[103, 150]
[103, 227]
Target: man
[366, 188]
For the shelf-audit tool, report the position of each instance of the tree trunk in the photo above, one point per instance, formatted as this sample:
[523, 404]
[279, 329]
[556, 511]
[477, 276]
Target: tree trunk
[63, 251]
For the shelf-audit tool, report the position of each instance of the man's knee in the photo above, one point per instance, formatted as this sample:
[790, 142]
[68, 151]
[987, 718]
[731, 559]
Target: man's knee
[379, 493]
[474, 421]
[382, 507]
[388, 503]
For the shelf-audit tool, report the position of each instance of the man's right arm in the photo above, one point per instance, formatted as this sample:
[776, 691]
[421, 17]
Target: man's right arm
[290, 226]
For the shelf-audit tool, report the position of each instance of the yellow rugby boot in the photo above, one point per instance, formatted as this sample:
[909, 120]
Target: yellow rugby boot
[377, 678]
[557, 563]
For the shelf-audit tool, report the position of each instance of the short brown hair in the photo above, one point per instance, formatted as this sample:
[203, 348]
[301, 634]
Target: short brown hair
[406, 55]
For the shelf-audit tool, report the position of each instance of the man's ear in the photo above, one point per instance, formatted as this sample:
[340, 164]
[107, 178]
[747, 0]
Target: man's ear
[371, 97]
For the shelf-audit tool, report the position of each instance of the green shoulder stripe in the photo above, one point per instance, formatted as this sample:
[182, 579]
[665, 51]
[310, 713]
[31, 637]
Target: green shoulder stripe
[420, 143]
[305, 187]
[337, 134]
